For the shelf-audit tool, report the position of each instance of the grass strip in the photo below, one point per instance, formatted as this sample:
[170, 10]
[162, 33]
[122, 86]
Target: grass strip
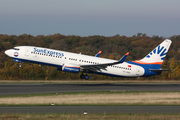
[110, 98]
[93, 92]
[104, 116]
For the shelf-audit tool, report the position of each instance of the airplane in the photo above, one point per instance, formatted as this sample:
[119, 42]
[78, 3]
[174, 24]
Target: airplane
[72, 62]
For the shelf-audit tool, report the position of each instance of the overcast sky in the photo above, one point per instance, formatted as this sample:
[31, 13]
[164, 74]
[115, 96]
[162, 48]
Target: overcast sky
[90, 17]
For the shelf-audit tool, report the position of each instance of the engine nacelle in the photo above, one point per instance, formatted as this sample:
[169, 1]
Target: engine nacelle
[70, 68]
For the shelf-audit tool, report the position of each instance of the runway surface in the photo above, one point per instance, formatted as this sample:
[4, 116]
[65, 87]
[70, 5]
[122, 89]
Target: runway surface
[10, 89]
[91, 109]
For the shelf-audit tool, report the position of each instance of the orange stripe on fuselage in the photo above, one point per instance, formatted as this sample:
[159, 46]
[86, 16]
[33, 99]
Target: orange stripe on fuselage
[141, 62]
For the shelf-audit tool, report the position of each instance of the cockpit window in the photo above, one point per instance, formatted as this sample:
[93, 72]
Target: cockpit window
[16, 48]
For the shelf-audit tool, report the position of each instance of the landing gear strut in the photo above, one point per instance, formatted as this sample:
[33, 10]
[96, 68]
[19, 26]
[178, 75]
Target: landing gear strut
[84, 76]
[19, 64]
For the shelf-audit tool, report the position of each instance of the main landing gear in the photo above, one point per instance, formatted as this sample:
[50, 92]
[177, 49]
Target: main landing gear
[84, 76]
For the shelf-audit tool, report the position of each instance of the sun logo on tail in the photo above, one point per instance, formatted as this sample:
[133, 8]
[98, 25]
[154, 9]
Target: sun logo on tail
[158, 52]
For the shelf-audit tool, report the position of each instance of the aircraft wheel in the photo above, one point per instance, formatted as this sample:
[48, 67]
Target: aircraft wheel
[82, 76]
[86, 77]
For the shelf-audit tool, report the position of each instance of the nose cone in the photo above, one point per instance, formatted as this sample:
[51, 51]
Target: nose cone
[8, 52]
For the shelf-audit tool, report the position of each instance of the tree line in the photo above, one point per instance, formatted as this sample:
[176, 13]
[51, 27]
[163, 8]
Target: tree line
[113, 47]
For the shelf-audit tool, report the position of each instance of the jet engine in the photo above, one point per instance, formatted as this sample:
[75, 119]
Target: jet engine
[69, 68]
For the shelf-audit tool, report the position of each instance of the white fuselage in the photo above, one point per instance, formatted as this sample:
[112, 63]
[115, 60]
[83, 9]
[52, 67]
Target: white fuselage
[59, 58]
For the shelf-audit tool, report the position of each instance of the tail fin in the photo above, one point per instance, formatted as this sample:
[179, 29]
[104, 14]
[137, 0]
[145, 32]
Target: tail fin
[156, 57]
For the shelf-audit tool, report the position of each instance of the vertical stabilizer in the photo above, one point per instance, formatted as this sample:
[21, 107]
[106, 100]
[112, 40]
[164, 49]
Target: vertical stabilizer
[156, 57]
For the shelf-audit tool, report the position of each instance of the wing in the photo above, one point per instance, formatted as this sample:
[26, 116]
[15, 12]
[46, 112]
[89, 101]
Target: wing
[98, 67]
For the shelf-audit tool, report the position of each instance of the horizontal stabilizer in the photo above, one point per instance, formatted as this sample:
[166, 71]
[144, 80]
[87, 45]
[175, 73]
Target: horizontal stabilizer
[159, 70]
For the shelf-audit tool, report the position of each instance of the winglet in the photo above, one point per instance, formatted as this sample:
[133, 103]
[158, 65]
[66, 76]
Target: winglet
[123, 58]
[98, 54]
